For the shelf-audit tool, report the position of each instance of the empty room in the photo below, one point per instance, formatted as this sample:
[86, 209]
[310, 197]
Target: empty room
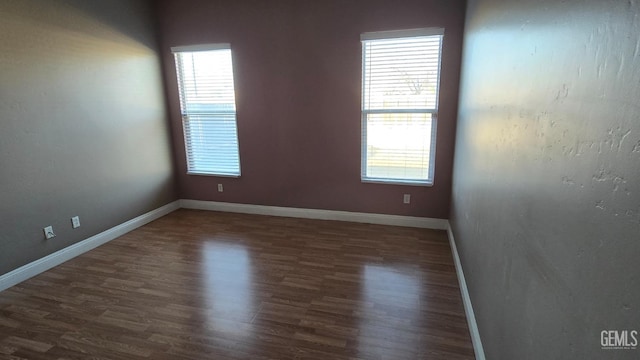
[337, 179]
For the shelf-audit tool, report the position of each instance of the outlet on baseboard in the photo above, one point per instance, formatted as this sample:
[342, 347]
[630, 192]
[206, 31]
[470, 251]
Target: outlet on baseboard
[406, 199]
[220, 189]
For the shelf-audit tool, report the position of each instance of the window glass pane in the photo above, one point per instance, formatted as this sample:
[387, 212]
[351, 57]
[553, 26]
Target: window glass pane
[212, 140]
[401, 73]
[398, 146]
[207, 81]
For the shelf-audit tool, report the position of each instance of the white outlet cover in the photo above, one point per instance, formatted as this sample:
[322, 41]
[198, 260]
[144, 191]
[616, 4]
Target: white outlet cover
[407, 198]
[75, 222]
[220, 189]
[48, 232]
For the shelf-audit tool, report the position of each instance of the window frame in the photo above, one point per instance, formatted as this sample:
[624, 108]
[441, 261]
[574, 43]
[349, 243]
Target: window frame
[388, 35]
[175, 50]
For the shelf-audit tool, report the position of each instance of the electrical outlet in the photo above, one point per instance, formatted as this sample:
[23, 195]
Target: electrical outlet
[48, 232]
[220, 189]
[75, 222]
[407, 199]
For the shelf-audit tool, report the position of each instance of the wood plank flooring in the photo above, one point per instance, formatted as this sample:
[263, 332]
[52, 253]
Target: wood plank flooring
[209, 285]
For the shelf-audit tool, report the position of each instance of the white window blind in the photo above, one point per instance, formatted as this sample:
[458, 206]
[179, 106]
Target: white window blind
[207, 101]
[400, 80]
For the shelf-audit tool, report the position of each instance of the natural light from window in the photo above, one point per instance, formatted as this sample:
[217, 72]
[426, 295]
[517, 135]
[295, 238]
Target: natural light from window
[207, 101]
[400, 81]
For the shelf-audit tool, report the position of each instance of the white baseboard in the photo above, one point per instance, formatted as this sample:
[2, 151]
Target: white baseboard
[43, 264]
[468, 308]
[382, 219]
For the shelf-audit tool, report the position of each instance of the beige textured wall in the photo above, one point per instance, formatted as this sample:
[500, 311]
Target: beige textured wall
[546, 190]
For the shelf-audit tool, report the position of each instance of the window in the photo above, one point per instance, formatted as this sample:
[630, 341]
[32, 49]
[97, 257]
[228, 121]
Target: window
[208, 105]
[400, 80]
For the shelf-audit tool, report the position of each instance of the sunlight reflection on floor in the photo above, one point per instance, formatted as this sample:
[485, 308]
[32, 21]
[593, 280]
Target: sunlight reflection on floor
[227, 283]
[385, 328]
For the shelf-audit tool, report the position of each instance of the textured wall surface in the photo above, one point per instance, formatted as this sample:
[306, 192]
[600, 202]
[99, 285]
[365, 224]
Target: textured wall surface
[298, 74]
[83, 127]
[546, 190]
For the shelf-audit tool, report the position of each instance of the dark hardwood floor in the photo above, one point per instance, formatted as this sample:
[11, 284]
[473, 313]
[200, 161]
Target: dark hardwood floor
[208, 285]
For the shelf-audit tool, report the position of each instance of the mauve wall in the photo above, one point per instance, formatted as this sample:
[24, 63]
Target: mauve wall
[546, 194]
[297, 67]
